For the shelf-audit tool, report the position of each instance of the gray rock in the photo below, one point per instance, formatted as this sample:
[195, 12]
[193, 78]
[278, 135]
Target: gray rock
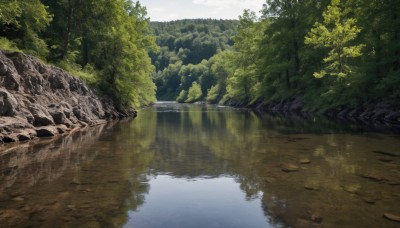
[8, 104]
[290, 168]
[392, 217]
[48, 131]
[33, 93]
[10, 138]
[41, 115]
[23, 137]
[58, 115]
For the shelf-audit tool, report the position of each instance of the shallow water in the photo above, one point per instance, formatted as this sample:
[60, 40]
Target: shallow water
[205, 166]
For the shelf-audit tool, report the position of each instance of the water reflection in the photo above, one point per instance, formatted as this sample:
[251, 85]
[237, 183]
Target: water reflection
[205, 166]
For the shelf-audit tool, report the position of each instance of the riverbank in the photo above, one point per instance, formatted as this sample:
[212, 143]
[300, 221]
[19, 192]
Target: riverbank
[383, 112]
[39, 100]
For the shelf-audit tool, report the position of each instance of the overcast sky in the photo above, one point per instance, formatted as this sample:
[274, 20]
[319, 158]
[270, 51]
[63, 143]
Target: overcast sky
[167, 10]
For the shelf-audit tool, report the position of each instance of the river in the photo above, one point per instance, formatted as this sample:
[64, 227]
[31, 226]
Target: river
[205, 166]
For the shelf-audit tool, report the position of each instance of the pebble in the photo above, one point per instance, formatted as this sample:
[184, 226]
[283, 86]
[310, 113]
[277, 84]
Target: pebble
[18, 199]
[315, 217]
[290, 168]
[371, 177]
[392, 154]
[352, 188]
[305, 161]
[311, 187]
[369, 201]
[392, 217]
[386, 159]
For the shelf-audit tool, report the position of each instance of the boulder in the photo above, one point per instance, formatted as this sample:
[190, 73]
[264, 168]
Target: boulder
[41, 115]
[10, 138]
[48, 131]
[23, 137]
[57, 113]
[8, 104]
[33, 94]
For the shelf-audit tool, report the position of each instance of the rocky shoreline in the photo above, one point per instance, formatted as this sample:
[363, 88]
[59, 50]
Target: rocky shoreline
[384, 112]
[39, 100]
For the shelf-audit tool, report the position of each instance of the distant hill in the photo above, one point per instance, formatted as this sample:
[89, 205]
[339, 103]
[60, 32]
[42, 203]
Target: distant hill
[186, 42]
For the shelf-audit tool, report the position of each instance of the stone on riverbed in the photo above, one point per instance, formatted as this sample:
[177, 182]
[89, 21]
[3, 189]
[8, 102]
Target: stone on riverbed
[290, 168]
[369, 200]
[392, 217]
[392, 154]
[371, 177]
[312, 187]
[305, 161]
[315, 217]
[386, 159]
[352, 188]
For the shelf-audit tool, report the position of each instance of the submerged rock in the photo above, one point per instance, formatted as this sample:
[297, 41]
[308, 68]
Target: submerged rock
[372, 177]
[312, 187]
[305, 161]
[386, 159]
[392, 154]
[392, 217]
[369, 200]
[316, 217]
[290, 168]
[352, 188]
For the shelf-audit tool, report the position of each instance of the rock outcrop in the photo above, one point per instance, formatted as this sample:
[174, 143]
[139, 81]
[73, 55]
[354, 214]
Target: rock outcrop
[38, 100]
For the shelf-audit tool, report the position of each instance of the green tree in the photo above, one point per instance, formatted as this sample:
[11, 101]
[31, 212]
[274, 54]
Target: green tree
[182, 96]
[213, 94]
[194, 93]
[22, 21]
[243, 80]
[337, 32]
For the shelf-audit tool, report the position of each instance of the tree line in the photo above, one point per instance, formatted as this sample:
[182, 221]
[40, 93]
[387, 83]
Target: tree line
[185, 48]
[104, 42]
[328, 52]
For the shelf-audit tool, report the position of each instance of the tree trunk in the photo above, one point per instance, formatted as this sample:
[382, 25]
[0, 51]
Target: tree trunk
[68, 32]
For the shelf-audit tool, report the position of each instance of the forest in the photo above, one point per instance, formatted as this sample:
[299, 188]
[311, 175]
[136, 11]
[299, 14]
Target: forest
[104, 42]
[328, 53]
[185, 48]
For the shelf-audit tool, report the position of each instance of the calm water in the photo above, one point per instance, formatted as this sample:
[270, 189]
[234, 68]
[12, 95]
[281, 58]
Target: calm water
[204, 166]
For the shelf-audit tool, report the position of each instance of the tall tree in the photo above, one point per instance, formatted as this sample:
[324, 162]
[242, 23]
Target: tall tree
[337, 33]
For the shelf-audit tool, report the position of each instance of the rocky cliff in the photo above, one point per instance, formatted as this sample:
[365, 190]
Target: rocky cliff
[38, 100]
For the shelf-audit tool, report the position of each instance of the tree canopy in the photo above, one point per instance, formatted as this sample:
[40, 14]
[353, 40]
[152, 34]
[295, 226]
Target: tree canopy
[328, 53]
[105, 42]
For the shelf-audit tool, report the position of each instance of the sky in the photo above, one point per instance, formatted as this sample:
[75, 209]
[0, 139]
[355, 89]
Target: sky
[168, 10]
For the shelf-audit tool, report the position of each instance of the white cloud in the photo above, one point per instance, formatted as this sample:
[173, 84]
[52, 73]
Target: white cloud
[157, 10]
[166, 10]
[231, 4]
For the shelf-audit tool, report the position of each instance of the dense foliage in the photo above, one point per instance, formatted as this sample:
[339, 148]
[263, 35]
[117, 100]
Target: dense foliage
[185, 48]
[105, 42]
[329, 53]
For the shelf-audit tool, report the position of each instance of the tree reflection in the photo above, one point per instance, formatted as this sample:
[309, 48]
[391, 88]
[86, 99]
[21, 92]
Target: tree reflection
[94, 178]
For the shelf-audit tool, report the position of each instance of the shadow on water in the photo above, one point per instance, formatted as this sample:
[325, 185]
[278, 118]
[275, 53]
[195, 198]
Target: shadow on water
[78, 180]
[197, 165]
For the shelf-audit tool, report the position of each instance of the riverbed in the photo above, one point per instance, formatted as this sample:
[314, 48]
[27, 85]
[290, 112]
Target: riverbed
[179, 165]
